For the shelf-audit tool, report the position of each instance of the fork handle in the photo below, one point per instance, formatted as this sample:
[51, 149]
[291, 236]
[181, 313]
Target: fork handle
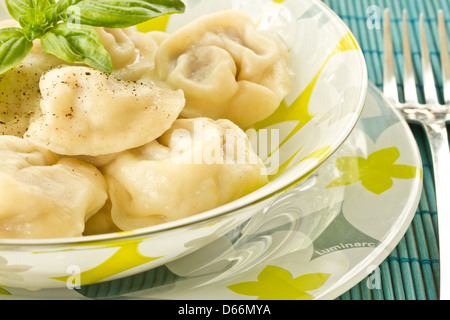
[440, 153]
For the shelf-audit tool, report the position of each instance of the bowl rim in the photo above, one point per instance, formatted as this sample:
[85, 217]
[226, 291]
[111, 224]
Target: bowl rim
[258, 196]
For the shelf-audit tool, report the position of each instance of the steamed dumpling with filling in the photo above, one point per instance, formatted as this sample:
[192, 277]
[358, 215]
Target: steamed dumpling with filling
[101, 222]
[226, 67]
[43, 197]
[19, 88]
[132, 52]
[197, 165]
[88, 112]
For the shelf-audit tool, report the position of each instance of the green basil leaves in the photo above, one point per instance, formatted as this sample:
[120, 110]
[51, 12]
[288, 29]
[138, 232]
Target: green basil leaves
[77, 43]
[121, 13]
[14, 47]
[65, 27]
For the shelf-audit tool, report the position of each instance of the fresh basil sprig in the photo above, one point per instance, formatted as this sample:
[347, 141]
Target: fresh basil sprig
[14, 47]
[120, 13]
[65, 27]
[81, 44]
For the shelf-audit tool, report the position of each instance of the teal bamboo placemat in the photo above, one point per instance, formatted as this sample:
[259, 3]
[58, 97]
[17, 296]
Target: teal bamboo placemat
[411, 272]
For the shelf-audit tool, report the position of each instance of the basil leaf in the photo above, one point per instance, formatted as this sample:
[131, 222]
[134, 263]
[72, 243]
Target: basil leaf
[34, 16]
[17, 8]
[77, 44]
[14, 47]
[121, 13]
[62, 5]
[26, 11]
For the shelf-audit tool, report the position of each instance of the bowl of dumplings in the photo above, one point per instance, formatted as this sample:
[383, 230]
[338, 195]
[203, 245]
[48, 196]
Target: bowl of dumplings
[208, 118]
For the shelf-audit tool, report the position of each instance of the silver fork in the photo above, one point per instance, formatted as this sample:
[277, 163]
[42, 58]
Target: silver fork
[432, 116]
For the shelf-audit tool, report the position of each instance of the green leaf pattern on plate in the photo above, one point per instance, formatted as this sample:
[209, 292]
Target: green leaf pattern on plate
[4, 292]
[376, 173]
[127, 257]
[275, 283]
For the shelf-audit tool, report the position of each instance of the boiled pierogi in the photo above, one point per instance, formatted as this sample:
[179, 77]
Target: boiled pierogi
[226, 68]
[87, 112]
[43, 197]
[19, 88]
[199, 164]
[101, 222]
[132, 52]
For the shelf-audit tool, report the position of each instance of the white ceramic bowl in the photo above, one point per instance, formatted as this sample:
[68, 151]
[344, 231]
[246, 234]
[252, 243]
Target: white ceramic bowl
[324, 106]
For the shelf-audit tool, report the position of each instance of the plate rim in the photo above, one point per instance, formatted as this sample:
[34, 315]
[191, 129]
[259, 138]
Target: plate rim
[391, 239]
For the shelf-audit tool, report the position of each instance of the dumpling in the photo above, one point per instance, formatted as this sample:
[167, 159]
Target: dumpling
[226, 67]
[43, 197]
[101, 222]
[197, 165]
[87, 112]
[19, 88]
[132, 52]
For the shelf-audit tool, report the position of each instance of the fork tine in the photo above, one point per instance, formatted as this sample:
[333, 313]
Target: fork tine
[409, 81]
[445, 58]
[389, 82]
[429, 85]
[433, 122]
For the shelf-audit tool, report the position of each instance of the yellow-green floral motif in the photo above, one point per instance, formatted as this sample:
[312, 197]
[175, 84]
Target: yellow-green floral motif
[275, 283]
[98, 245]
[320, 154]
[127, 257]
[299, 110]
[4, 292]
[376, 173]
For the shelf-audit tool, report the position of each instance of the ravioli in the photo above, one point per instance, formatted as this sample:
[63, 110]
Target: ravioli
[132, 53]
[42, 196]
[197, 165]
[19, 88]
[226, 67]
[87, 112]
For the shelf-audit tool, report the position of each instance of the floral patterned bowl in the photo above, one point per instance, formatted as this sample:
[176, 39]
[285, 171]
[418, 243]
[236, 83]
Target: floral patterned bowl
[327, 99]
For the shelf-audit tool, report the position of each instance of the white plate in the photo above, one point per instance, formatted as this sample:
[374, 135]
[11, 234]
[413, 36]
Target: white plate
[374, 181]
